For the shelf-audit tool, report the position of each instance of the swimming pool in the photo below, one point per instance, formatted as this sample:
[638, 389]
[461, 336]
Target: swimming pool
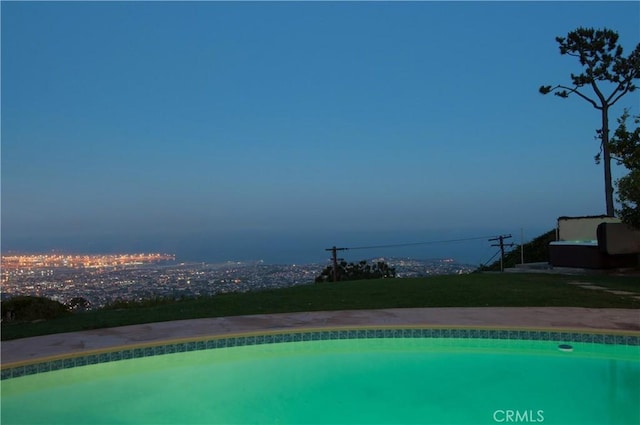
[410, 375]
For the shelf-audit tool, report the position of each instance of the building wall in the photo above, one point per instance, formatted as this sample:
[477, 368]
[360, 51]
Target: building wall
[581, 228]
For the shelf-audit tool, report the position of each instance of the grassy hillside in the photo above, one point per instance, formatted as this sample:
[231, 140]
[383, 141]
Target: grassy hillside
[535, 251]
[473, 290]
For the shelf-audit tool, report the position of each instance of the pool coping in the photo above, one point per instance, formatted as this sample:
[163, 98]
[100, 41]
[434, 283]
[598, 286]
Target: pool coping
[475, 335]
[55, 347]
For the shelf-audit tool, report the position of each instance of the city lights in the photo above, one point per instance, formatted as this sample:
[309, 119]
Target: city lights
[103, 279]
[47, 261]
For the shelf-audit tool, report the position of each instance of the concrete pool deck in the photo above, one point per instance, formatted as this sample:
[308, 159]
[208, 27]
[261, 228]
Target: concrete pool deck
[75, 343]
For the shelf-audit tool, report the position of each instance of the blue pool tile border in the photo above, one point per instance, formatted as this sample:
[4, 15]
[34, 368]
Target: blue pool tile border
[316, 335]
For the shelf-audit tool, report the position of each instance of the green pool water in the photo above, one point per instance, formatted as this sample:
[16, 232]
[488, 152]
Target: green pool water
[357, 381]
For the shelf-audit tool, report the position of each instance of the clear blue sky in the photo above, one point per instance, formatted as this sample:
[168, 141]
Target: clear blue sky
[248, 128]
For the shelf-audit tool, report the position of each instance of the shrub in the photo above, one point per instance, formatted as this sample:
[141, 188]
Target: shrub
[78, 304]
[357, 271]
[28, 308]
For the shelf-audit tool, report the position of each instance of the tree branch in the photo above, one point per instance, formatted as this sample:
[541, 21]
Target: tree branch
[618, 160]
[595, 88]
[575, 90]
[611, 103]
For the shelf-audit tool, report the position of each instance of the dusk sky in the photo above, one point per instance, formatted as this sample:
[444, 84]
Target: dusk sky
[244, 130]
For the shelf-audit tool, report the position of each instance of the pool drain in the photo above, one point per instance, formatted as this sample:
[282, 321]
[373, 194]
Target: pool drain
[565, 347]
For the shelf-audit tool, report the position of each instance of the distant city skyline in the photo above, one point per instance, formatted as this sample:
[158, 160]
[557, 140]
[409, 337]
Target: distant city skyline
[117, 279]
[274, 130]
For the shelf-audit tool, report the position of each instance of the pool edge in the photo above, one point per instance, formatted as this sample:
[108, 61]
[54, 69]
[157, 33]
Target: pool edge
[235, 339]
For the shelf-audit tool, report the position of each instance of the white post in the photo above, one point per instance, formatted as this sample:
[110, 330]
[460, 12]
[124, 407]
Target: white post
[521, 246]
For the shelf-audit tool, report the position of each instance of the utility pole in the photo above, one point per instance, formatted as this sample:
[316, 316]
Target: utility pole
[501, 244]
[334, 256]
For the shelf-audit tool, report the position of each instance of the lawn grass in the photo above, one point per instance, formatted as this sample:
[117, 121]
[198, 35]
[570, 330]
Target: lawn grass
[627, 283]
[473, 290]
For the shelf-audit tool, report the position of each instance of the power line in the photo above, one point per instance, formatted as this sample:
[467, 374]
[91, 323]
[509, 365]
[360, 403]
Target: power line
[501, 238]
[334, 250]
[418, 243]
[494, 256]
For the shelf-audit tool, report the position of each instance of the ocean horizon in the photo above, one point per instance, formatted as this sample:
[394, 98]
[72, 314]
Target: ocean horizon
[466, 247]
